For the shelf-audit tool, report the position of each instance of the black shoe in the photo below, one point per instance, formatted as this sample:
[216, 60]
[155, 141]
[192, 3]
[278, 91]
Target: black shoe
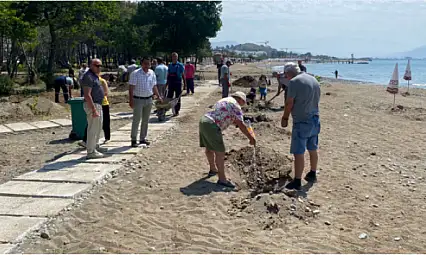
[294, 184]
[226, 184]
[134, 144]
[311, 177]
[146, 142]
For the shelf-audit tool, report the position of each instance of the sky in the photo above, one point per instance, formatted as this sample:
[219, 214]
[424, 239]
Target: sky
[374, 28]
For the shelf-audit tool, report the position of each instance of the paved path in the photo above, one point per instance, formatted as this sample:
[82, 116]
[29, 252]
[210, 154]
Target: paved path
[29, 200]
[24, 126]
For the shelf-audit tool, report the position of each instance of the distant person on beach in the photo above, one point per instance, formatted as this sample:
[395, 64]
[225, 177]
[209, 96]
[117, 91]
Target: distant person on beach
[282, 85]
[161, 75]
[189, 76]
[302, 102]
[225, 112]
[219, 67]
[175, 76]
[93, 96]
[301, 66]
[263, 87]
[336, 73]
[225, 78]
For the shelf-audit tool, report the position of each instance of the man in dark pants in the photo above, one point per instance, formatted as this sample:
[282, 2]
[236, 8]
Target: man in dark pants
[175, 77]
[61, 82]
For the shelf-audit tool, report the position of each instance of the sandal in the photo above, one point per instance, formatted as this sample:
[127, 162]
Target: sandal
[212, 173]
[227, 184]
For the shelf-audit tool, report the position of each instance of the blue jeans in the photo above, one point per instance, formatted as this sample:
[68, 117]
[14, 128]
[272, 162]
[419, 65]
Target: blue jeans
[305, 135]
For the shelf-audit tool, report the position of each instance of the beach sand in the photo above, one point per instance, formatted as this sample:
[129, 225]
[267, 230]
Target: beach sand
[371, 181]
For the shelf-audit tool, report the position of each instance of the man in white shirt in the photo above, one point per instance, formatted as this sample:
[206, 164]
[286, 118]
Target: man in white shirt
[143, 85]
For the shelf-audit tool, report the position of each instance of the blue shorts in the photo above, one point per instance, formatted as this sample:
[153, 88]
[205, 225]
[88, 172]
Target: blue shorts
[263, 91]
[305, 136]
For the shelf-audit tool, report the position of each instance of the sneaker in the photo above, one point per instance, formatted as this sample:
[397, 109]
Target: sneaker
[95, 155]
[311, 177]
[294, 184]
[82, 144]
[145, 141]
[134, 144]
[227, 184]
[175, 114]
[106, 141]
[101, 150]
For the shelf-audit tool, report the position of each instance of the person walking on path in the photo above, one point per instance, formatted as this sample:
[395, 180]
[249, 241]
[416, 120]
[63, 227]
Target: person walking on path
[106, 120]
[93, 97]
[302, 102]
[225, 112]
[143, 85]
[176, 73]
[189, 76]
[161, 75]
[224, 79]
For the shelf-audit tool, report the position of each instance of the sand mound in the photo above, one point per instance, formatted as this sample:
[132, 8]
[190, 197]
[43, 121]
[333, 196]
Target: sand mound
[262, 106]
[245, 81]
[267, 171]
[43, 106]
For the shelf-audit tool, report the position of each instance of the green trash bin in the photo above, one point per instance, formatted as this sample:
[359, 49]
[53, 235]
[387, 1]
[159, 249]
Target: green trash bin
[78, 117]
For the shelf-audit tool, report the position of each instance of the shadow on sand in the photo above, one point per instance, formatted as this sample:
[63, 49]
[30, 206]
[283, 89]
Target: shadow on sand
[203, 187]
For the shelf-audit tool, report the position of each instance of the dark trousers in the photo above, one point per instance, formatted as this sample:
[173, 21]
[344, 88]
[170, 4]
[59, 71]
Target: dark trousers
[190, 85]
[175, 88]
[106, 124]
[58, 85]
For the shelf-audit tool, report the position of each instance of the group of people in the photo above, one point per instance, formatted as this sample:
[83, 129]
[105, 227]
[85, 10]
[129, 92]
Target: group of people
[151, 79]
[301, 101]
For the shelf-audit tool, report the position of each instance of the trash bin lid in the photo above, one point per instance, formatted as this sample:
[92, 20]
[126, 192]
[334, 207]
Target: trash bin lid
[76, 100]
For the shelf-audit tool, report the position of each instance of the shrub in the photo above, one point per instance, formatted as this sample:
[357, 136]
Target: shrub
[6, 85]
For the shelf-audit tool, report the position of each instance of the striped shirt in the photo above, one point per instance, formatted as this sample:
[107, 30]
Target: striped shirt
[143, 82]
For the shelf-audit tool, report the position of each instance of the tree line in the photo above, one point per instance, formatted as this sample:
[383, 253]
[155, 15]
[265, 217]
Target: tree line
[44, 36]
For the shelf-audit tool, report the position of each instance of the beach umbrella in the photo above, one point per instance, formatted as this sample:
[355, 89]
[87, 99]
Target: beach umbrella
[393, 83]
[407, 75]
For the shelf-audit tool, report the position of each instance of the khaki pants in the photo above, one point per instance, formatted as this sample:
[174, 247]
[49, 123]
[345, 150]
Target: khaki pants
[94, 127]
[141, 111]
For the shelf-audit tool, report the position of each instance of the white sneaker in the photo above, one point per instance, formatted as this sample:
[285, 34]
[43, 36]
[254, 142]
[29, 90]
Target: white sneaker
[101, 150]
[95, 155]
[82, 144]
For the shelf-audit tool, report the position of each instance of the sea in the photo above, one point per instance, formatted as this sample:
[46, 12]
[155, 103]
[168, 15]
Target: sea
[377, 71]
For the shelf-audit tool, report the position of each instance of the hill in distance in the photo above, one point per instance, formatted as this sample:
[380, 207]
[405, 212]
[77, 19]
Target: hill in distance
[419, 52]
[223, 43]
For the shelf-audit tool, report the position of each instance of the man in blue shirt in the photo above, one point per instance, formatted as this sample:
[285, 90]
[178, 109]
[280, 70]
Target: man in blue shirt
[161, 74]
[176, 74]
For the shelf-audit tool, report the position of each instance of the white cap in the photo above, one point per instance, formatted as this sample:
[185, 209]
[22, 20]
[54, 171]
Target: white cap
[240, 95]
[188, 60]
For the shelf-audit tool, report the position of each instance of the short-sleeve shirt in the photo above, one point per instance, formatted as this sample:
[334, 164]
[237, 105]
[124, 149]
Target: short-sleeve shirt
[143, 82]
[104, 83]
[263, 84]
[69, 81]
[224, 70]
[225, 112]
[306, 91]
[176, 69]
[131, 68]
[161, 74]
[189, 71]
[81, 73]
[91, 80]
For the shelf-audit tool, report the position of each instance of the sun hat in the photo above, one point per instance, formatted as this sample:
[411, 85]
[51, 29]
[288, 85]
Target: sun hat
[240, 95]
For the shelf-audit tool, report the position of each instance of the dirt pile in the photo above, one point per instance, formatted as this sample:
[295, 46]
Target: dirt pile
[262, 169]
[265, 175]
[43, 106]
[255, 118]
[119, 86]
[245, 81]
[257, 106]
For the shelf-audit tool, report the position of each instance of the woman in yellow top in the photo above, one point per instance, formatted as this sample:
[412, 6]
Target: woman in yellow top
[105, 111]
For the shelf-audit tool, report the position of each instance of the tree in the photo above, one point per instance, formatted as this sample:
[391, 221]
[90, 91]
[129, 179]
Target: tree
[179, 26]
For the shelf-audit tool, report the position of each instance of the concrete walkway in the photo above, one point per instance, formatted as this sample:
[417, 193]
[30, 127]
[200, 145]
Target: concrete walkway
[27, 202]
[24, 126]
